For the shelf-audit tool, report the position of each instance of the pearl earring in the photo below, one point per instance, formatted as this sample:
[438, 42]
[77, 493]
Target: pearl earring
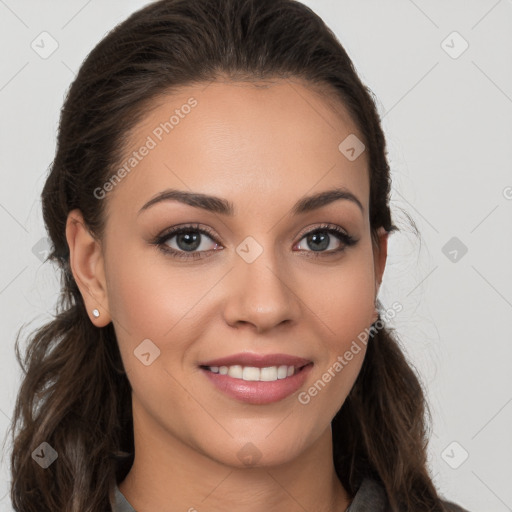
[95, 313]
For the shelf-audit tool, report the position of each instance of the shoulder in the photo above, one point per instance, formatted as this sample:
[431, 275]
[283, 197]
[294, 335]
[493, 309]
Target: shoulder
[122, 504]
[453, 507]
[369, 496]
[372, 496]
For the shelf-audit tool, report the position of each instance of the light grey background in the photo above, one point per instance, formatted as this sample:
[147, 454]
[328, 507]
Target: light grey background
[448, 123]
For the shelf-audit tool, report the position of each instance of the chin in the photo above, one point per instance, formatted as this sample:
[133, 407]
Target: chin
[259, 452]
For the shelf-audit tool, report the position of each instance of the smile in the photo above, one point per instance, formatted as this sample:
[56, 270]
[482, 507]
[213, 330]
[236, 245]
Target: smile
[251, 373]
[255, 385]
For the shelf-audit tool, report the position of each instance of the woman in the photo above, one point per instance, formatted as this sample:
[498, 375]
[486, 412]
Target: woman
[219, 207]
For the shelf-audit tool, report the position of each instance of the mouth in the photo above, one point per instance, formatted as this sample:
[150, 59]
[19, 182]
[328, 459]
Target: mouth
[256, 379]
[255, 374]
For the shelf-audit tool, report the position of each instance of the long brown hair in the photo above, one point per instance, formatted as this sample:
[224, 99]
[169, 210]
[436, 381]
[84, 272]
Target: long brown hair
[75, 395]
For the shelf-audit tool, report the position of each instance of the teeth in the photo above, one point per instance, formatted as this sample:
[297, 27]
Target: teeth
[282, 371]
[250, 373]
[268, 374]
[235, 371]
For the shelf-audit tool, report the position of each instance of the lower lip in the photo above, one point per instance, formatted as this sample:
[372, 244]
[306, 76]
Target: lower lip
[259, 392]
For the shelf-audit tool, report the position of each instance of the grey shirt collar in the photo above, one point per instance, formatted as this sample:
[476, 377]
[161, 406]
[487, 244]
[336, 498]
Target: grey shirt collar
[370, 497]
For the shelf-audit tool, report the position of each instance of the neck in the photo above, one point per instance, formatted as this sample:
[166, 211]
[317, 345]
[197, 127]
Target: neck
[169, 475]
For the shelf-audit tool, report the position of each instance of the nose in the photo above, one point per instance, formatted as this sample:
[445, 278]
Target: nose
[261, 294]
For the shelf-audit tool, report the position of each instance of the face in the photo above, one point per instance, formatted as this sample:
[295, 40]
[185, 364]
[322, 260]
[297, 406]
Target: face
[251, 274]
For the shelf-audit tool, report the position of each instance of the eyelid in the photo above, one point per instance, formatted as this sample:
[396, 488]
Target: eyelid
[324, 225]
[205, 229]
[170, 232]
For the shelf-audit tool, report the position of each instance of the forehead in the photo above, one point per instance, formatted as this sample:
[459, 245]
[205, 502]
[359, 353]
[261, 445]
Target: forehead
[241, 139]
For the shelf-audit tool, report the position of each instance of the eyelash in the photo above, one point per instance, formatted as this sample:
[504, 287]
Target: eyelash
[346, 239]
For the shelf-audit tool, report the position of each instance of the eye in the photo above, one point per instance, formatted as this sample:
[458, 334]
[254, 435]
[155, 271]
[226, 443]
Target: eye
[321, 239]
[188, 239]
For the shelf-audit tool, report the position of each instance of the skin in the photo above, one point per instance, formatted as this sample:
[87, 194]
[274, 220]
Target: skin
[261, 146]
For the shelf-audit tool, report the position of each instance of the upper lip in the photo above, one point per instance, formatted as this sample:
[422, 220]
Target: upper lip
[258, 360]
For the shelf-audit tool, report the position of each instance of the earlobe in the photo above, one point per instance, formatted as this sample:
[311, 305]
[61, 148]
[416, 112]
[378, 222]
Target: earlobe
[87, 266]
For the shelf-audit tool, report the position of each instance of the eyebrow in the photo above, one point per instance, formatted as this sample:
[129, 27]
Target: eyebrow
[222, 206]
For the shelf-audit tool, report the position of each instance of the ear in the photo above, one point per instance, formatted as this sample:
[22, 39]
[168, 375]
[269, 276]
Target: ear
[380, 254]
[87, 265]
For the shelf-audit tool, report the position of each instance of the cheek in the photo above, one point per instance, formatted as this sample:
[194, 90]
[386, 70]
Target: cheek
[343, 298]
[139, 303]
[149, 295]
[344, 303]
[147, 303]
[151, 298]
[320, 402]
[135, 298]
